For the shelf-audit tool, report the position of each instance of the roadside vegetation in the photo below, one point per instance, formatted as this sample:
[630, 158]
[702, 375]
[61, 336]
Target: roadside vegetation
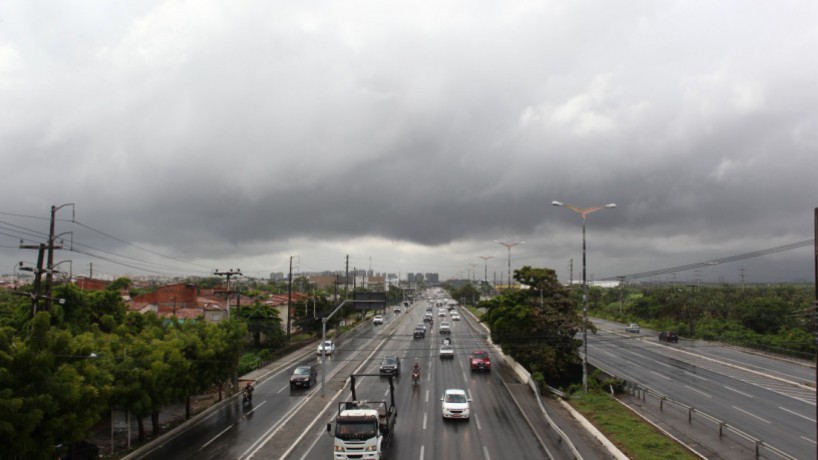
[632, 435]
[535, 326]
[775, 318]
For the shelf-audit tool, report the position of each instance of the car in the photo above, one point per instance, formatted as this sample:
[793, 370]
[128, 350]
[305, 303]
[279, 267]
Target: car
[446, 351]
[304, 376]
[427, 318]
[390, 365]
[480, 361]
[378, 319]
[326, 348]
[668, 336]
[455, 316]
[419, 333]
[445, 328]
[397, 309]
[441, 312]
[455, 404]
[632, 327]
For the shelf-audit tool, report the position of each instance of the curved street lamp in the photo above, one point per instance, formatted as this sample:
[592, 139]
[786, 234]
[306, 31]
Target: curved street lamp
[509, 245]
[584, 213]
[485, 270]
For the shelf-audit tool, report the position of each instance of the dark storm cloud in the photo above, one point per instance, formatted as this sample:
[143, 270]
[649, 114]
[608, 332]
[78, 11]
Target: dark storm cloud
[415, 134]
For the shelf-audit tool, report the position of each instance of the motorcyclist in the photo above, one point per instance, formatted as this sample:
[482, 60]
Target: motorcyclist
[248, 391]
[416, 371]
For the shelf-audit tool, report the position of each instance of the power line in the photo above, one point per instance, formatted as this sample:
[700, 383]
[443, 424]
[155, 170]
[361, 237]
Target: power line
[138, 247]
[707, 263]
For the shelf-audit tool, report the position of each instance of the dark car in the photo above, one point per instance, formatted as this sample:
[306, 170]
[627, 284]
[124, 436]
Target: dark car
[668, 336]
[420, 333]
[390, 365]
[304, 376]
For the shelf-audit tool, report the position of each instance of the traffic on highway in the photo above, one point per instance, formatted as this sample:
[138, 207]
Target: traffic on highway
[455, 410]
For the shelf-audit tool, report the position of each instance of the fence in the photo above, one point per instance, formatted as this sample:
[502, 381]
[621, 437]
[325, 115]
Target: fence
[693, 414]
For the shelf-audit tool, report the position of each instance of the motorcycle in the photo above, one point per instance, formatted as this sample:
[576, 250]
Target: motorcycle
[247, 397]
[415, 376]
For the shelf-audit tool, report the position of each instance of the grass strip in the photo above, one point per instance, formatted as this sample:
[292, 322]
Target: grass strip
[633, 436]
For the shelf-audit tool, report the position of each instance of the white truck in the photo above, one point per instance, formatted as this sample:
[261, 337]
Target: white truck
[363, 429]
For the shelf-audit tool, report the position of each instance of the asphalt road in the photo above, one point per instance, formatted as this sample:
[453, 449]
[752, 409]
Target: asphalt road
[420, 433]
[761, 395]
[284, 423]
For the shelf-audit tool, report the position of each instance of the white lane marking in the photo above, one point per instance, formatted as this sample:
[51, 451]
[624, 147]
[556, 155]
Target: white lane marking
[808, 439]
[697, 376]
[427, 395]
[739, 392]
[424, 420]
[283, 388]
[796, 413]
[216, 437]
[486, 453]
[660, 375]
[698, 391]
[421, 451]
[477, 420]
[751, 415]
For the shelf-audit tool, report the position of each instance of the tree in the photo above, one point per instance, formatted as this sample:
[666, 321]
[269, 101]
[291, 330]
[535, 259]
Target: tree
[53, 391]
[537, 326]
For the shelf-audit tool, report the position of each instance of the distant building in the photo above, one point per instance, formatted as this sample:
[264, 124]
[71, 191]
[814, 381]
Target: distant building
[91, 284]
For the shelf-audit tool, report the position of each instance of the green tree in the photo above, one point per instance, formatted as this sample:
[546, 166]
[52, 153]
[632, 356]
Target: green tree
[53, 391]
[537, 326]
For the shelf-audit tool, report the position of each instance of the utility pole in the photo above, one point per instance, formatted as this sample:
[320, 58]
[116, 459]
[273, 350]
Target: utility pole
[35, 296]
[346, 280]
[228, 274]
[621, 293]
[49, 276]
[289, 297]
[815, 302]
[571, 273]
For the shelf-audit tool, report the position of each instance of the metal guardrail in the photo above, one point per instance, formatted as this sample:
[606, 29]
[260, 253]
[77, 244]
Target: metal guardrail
[642, 392]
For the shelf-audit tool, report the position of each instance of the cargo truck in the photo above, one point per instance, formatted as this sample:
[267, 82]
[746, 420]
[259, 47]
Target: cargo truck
[363, 429]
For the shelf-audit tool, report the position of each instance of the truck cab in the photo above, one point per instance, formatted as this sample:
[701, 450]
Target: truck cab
[357, 434]
[363, 429]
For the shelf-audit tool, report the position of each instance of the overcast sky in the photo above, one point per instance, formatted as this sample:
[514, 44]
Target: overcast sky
[411, 135]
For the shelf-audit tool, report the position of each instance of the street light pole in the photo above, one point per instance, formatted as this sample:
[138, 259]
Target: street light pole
[508, 246]
[486, 269]
[584, 213]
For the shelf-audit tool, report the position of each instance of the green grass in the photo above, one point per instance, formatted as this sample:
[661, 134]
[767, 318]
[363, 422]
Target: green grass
[633, 436]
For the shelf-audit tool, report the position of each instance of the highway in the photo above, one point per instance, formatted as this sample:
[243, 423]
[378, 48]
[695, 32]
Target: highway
[763, 396]
[420, 433]
[284, 423]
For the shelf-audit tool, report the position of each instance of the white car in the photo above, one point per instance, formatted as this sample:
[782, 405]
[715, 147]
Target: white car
[455, 316]
[455, 404]
[326, 348]
[445, 328]
[378, 319]
[632, 327]
[446, 351]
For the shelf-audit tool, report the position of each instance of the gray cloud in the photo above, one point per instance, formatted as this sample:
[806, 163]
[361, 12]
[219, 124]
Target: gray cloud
[415, 134]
